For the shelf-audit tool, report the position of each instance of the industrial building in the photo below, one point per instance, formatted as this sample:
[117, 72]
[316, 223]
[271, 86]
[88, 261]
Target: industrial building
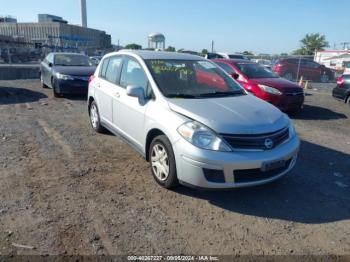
[54, 33]
[7, 19]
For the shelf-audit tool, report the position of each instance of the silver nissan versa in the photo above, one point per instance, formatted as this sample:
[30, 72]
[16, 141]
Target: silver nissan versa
[192, 122]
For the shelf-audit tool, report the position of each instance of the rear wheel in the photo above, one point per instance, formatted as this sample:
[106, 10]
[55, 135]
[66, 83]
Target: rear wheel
[95, 118]
[42, 81]
[162, 160]
[289, 76]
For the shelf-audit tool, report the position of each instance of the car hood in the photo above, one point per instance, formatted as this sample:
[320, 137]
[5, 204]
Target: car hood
[75, 70]
[232, 115]
[278, 83]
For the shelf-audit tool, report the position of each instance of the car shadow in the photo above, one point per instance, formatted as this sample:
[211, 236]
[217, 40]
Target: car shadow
[15, 95]
[317, 113]
[315, 192]
[76, 97]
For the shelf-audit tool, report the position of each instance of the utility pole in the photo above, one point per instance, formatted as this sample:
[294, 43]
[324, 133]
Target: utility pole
[212, 46]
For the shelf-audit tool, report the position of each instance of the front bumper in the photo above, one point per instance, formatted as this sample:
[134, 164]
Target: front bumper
[287, 102]
[192, 163]
[72, 87]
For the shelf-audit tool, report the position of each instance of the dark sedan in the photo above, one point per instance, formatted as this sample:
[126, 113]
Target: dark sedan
[66, 73]
[342, 90]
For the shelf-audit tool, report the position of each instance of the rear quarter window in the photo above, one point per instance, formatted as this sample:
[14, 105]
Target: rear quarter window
[104, 68]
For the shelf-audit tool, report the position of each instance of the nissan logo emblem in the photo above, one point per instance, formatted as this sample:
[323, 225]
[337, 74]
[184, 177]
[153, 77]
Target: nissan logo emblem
[268, 143]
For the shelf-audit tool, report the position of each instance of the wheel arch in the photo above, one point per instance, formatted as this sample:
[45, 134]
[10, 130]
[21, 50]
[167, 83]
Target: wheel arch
[150, 136]
[90, 100]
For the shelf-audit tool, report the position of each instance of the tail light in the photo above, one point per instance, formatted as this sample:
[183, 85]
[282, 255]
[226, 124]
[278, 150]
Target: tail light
[340, 81]
[91, 78]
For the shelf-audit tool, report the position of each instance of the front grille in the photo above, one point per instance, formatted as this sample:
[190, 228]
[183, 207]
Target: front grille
[82, 78]
[294, 92]
[253, 175]
[257, 142]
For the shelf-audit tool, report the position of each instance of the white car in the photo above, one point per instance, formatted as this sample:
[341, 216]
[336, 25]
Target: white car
[191, 120]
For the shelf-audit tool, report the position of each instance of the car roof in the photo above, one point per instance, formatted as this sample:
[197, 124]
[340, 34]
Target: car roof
[146, 54]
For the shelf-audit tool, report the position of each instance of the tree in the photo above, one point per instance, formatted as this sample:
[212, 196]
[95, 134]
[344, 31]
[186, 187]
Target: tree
[205, 51]
[170, 49]
[133, 46]
[247, 53]
[311, 43]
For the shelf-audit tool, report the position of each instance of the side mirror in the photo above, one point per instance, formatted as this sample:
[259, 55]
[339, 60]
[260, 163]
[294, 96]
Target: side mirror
[50, 64]
[136, 91]
[235, 75]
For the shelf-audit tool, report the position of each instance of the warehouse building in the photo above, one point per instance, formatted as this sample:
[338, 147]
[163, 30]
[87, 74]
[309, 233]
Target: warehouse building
[53, 32]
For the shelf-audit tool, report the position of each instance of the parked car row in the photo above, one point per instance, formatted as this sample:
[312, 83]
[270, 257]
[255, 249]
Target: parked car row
[198, 122]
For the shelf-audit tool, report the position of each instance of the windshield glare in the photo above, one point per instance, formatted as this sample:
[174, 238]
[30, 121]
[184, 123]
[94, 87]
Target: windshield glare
[253, 70]
[192, 79]
[72, 60]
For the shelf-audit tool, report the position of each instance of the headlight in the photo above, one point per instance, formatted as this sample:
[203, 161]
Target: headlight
[64, 77]
[202, 137]
[270, 90]
[291, 130]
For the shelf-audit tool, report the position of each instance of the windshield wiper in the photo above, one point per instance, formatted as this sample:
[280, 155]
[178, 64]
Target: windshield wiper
[215, 94]
[181, 96]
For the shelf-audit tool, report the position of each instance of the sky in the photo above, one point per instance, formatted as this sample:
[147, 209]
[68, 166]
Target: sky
[260, 26]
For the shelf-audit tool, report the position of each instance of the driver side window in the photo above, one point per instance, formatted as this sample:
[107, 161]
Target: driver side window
[133, 74]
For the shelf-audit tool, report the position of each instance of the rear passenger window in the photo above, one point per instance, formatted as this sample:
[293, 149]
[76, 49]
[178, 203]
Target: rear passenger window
[133, 74]
[113, 69]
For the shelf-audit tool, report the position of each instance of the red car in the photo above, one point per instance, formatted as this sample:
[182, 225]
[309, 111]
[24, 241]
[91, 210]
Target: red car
[264, 84]
[291, 68]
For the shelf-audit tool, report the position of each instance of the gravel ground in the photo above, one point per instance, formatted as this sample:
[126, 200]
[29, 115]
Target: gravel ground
[66, 190]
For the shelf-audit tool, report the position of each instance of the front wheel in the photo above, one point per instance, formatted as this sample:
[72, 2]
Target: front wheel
[162, 160]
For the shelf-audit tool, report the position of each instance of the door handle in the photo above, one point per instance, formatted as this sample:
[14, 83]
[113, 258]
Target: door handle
[117, 95]
[98, 85]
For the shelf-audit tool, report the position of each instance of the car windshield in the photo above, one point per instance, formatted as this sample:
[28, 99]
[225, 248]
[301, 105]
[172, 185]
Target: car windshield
[192, 79]
[71, 60]
[253, 70]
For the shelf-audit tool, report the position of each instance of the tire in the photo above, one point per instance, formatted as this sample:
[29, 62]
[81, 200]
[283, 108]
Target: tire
[94, 115]
[55, 91]
[324, 78]
[289, 76]
[162, 162]
[348, 101]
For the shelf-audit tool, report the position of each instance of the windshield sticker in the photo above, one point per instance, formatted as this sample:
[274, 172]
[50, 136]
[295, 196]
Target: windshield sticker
[206, 65]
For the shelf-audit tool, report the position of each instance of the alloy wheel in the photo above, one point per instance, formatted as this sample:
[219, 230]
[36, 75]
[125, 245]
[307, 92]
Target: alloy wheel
[94, 116]
[160, 162]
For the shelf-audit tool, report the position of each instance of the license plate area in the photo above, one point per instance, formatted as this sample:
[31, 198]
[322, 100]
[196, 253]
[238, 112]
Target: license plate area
[272, 165]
